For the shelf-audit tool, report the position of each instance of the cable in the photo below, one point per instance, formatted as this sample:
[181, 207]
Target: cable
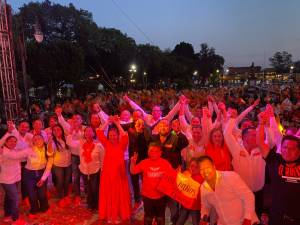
[131, 20]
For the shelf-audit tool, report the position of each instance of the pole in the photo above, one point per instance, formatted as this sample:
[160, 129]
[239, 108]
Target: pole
[24, 70]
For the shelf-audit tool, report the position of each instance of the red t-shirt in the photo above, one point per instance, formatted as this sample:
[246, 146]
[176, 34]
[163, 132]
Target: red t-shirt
[152, 170]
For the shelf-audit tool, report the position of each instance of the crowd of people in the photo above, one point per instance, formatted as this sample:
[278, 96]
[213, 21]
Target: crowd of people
[119, 146]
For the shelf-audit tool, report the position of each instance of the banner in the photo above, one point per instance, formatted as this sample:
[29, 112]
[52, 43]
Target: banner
[181, 188]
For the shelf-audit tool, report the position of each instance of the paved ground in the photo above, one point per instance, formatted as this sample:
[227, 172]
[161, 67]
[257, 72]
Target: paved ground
[71, 215]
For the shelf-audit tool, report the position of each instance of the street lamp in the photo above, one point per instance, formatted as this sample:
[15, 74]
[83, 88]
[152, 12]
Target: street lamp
[132, 70]
[218, 75]
[195, 77]
[145, 79]
[291, 71]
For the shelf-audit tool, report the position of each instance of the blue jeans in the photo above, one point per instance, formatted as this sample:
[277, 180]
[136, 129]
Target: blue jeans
[76, 174]
[184, 213]
[62, 177]
[37, 195]
[11, 200]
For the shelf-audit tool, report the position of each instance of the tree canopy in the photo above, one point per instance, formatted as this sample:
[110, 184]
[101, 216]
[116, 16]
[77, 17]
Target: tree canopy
[75, 48]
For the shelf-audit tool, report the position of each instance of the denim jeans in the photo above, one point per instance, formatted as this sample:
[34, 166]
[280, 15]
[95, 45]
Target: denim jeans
[184, 213]
[174, 209]
[37, 195]
[92, 183]
[24, 192]
[76, 174]
[62, 177]
[11, 200]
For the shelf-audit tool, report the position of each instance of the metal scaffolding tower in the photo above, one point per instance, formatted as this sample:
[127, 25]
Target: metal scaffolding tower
[9, 86]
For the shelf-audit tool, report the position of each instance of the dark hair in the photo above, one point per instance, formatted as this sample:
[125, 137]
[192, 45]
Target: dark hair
[112, 127]
[56, 142]
[154, 144]
[243, 121]
[211, 134]
[246, 130]
[204, 158]
[45, 144]
[291, 138]
[23, 121]
[10, 137]
[52, 117]
[194, 159]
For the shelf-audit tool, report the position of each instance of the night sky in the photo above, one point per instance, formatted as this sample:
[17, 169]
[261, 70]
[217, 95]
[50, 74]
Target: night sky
[242, 31]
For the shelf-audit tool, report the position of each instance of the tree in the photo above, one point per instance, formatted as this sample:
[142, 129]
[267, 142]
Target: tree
[296, 66]
[208, 62]
[184, 49]
[51, 63]
[281, 61]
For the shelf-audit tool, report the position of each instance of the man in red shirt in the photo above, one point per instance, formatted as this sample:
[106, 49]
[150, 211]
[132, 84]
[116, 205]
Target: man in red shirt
[153, 169]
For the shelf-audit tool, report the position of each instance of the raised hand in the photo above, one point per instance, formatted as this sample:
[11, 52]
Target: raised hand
[210, 98]
[205, 112]
[221, 106]
[256, 102]
[116, 119]
[96, 107]
[269, 110]
[111, 119]
[10, 126]
[263, 117]
[232, 113]
[126, 98]
[58, 111]
[182, 99]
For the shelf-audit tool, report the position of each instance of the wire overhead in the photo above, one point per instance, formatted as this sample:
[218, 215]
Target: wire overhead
[132, 21]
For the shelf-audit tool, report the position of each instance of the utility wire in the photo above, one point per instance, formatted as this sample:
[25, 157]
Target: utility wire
[131, 21]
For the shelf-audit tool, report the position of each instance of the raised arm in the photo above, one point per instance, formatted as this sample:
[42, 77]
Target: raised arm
[96, 108]
[188, 113]
[246, 111]
[11, 131]
[233, 145]
[206, 124]
[274, 128]
[135, 106]
[260, 135]
[62, 121]
[173, 112]
[183, 124]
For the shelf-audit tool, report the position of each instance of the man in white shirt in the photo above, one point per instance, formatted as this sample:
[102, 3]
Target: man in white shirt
[247, 159]
[227, 193]
[152, 119]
